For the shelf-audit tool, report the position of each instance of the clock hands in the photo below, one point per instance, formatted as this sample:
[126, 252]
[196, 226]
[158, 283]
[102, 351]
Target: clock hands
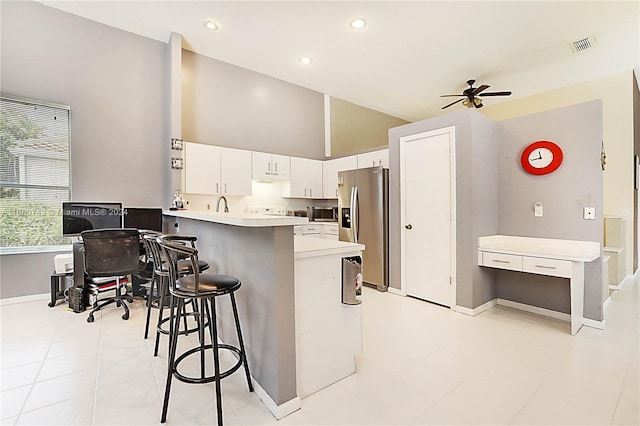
[539, 157]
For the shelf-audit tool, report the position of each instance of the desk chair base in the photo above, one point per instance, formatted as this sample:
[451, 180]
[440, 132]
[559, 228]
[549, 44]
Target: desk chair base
[119, 300]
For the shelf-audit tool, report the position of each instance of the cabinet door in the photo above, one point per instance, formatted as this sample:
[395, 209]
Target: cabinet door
[330, 174]
[260, 165]
[374, 158]
[235, 171]
[281, 165]
[314, 178]
[201, 168]
[299, 179]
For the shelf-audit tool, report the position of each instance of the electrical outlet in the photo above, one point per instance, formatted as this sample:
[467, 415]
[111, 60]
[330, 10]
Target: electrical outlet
[176, 163]
[589, 213]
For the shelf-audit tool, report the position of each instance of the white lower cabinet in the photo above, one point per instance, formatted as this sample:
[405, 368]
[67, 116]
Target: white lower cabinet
[328, 231]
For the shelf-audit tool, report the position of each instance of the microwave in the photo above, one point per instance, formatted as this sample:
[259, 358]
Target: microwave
[324, 214]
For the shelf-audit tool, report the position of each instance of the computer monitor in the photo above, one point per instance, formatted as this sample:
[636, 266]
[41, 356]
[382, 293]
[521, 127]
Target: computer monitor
[143, 218]
[84, 216]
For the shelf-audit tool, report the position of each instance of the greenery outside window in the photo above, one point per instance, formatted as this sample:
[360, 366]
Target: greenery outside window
[34, 174]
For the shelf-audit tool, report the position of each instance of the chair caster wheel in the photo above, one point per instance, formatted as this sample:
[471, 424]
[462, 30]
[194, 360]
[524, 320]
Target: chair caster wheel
[90, 318]
[125, 316]
[51, 304]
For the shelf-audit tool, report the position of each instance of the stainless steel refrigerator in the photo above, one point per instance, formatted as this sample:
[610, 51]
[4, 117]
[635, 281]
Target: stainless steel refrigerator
[363, 217]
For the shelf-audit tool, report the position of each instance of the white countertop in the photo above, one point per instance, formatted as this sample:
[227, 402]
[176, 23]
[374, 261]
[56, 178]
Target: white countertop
[238, 219]
[312, 247]
[577, 251]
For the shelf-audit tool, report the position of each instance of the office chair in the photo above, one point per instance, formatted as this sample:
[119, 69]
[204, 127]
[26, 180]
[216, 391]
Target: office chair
[111, 253]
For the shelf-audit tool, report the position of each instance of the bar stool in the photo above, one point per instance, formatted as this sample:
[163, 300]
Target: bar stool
[204, 288]
[161, 274]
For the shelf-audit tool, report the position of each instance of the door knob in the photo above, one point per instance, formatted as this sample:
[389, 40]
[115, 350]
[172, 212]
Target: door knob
[408, 226]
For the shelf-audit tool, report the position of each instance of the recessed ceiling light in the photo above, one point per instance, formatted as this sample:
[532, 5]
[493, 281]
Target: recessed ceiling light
[211, 24]
[305, 61]
[358, 24]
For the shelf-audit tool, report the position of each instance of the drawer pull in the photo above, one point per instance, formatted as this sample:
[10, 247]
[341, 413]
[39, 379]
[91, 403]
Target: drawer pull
[545, 267]
[500, 261]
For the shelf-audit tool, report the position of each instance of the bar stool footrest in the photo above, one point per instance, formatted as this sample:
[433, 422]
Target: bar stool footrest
[182, 332]
[206, 379]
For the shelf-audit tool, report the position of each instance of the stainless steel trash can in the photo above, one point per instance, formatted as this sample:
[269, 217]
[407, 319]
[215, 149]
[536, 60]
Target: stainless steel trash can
[352, 280]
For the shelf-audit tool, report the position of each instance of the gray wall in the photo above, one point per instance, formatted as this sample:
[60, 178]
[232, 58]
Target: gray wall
[476, 198]
[577, 129]
[116, 84]
[226, 105]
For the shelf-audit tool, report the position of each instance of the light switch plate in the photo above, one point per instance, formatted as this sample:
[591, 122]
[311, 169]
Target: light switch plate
[589, 213]
[538, 210]
[176, 163]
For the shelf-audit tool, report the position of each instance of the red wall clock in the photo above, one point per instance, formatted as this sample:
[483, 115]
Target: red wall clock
[541, 158]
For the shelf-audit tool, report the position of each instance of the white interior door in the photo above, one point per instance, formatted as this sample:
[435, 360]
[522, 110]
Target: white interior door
[428, 234]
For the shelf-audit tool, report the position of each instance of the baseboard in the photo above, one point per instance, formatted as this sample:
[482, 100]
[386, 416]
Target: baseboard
[535, 309]
[588, 322]
[395, 291]
[278, 411]
[23, 299]
[475, 311]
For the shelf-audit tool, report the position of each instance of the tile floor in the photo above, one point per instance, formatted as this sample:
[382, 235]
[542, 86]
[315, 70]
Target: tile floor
[422, 364]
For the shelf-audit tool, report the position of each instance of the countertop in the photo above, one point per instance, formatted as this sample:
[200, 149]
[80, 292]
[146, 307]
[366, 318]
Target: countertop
[573, 250]
[312, 247]
[238, 219]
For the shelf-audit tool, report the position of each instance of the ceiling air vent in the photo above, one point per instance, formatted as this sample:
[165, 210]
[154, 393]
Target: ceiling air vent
[584, 44]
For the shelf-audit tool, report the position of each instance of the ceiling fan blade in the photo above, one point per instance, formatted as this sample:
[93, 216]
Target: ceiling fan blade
[453, 103]
[443, 96]
[480, 89]
[496, 94]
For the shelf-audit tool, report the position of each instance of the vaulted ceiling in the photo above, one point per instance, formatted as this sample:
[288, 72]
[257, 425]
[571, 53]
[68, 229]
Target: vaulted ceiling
[407, 55]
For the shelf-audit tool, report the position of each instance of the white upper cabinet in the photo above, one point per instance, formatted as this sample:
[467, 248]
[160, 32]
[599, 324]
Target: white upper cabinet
[201, 168]
[374, 158]
[330, 174]
[306, 178]
[235, 172]
[216, 170]
[270, 166]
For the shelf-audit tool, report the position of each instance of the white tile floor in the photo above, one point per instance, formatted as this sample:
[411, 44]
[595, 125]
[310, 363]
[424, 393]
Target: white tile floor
[422, 364]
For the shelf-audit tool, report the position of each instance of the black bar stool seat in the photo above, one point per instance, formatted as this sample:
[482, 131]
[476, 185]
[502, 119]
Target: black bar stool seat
[210, 285]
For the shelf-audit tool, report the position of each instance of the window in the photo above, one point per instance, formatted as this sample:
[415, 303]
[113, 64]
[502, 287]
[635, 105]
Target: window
[34, 173]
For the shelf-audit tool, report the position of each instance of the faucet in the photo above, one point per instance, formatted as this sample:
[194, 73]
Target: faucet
[226, 209]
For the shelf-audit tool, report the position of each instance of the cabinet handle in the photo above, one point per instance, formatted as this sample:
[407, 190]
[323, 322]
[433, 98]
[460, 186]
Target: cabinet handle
[269, 167]
[217, 188]
[500, 261]
[305, 192]
[310, 192]
[225, 188]
[336, 193]
[373, 163]
[275, 168]
[545, 267]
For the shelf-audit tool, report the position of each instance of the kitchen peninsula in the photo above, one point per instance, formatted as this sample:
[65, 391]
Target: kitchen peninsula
[261, 251]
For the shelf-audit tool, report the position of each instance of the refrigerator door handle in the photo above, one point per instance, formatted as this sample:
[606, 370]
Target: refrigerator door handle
[355, 214]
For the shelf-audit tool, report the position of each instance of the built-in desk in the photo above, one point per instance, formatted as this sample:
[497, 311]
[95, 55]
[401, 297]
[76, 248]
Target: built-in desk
[543, 256]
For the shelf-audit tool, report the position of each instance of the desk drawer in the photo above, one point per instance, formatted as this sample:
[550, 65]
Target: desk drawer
[543, 266]
[502, 261]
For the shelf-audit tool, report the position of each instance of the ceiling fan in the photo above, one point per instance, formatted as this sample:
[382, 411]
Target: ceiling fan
[469, 98]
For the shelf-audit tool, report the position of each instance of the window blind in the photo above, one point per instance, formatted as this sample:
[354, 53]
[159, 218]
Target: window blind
[34, 172]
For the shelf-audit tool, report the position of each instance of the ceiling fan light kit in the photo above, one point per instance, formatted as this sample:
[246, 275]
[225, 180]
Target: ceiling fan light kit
[470, 97]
